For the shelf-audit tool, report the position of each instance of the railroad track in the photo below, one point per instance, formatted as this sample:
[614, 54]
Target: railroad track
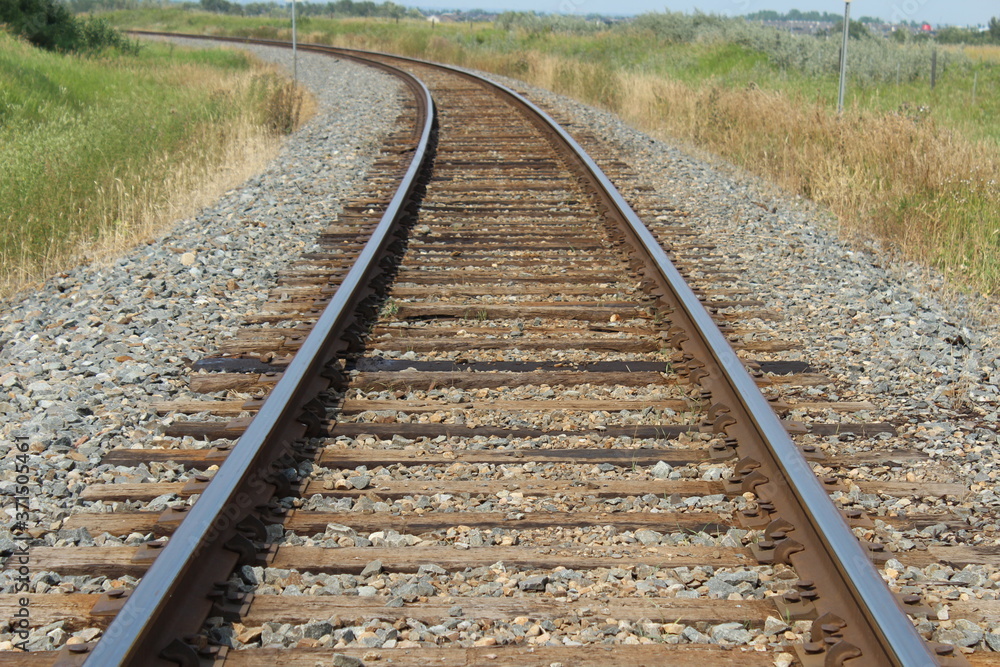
[488, 424]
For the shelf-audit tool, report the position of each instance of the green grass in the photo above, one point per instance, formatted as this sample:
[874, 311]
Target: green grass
[85, 142]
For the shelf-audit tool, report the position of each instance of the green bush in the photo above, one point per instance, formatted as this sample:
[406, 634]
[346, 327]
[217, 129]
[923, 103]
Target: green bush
[873, 60]
[50, 25]
[42, 22]
[98, 34]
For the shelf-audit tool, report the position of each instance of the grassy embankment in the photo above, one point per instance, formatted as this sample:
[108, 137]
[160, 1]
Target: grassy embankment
[99, 153]
[912, 167]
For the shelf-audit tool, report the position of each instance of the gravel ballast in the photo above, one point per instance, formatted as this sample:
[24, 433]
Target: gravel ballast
[83, 356]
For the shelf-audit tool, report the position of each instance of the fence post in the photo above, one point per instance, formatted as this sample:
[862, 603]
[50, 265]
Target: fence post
[843, 56]
[933, 68]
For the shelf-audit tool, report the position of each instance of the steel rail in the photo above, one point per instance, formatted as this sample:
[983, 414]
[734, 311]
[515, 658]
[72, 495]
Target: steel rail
[906, 646]
[902, 643]
[896, 634]
[152, 617]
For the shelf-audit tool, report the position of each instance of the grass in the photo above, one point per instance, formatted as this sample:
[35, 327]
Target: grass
[911, 167]
[99, 153]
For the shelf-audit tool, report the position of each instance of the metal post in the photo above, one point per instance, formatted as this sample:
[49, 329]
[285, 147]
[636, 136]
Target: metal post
[843, 56]
[933, 68]
[295, 52]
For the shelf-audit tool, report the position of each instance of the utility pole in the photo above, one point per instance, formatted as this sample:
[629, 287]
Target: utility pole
[295, 53]
[843, 56]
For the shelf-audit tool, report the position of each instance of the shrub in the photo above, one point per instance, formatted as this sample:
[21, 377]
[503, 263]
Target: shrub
[873, 60]
[42, 22]
[97, 34]
[50, 25]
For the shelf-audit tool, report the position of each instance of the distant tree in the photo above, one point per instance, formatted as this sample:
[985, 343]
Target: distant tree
[953, 35]
[220, 7]
[764, 15]
[995, 29]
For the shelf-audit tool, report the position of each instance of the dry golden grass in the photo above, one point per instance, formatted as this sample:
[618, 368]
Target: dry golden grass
[894, 177]
[140, 201]
[983, 53]
[227, 154]
[135, 213]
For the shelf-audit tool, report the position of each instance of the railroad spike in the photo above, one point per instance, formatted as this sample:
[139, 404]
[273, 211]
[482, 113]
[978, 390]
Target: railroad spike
[252, 527]
[876, 551]
[313, 416]
[148, 552]
[677, 337]
[722, 450]
[857, 518]
[840, 653]
[697, 374]
[243, 547]
[717, 409]
[283, 486]
[947, 656]
[182, 653]
[746, 479]
[110, 602]
[781, 525]
[793, 606]
[722, 422]
[230, 605]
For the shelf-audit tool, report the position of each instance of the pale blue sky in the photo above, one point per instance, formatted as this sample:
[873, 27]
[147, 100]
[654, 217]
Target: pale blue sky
[954, 12]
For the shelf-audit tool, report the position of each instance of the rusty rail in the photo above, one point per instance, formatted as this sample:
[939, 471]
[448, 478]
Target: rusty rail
[219, 531]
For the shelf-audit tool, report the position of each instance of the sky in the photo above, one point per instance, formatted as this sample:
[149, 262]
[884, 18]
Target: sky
[937, 12]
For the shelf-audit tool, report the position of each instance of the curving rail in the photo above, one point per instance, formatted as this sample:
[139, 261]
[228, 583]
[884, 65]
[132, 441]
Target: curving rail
[213, 537]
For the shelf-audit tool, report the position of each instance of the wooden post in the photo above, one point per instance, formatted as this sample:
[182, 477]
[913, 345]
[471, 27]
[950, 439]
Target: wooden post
[933, 68]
